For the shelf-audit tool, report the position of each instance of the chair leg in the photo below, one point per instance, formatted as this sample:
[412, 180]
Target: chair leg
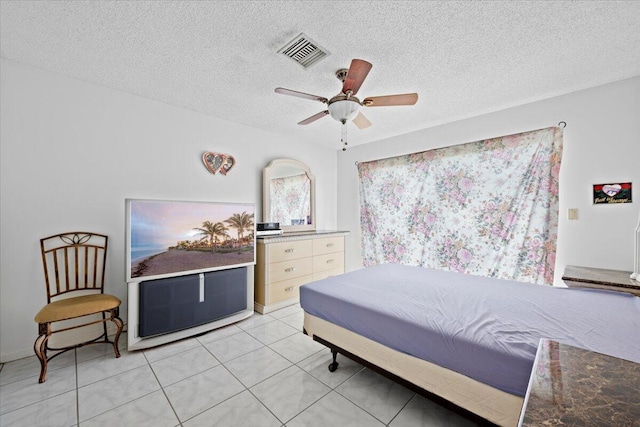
[40, 348]
[104, 328]
[119, 324]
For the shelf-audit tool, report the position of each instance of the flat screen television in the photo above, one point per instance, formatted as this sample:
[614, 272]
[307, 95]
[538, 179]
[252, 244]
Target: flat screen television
[173, 238]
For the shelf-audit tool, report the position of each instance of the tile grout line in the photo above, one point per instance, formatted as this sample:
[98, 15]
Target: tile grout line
[247, 388]
[244, 387]
[376, 418]
[110, 376]
[130, 401]
[402, 409]
[302, 370]
[265, 406]
[309, 406]
[162, 388]
[227, 369]
[230, 373]
[331, 389]
[86, 385]
[35, 374]
[237, 379]
[115, 407]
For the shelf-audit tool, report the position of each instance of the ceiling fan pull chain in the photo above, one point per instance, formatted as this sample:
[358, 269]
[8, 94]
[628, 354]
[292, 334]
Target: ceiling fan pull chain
[343, 139]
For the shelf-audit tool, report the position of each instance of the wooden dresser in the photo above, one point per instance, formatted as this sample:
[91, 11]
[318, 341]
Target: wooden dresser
[288, 261]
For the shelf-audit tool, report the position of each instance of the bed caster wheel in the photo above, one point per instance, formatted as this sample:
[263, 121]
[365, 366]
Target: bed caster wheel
[333, 366]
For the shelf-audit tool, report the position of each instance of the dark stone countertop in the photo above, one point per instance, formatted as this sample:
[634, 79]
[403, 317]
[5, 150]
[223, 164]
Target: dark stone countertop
[570, 386]
[599, 278]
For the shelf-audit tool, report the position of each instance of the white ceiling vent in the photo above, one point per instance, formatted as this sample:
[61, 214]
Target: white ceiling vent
[304, 51]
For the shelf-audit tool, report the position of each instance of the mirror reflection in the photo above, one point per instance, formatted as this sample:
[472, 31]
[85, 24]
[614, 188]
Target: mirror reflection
[289, 195]
[290, 199]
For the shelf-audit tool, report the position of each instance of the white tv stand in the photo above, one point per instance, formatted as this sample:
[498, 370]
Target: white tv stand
[136, 342]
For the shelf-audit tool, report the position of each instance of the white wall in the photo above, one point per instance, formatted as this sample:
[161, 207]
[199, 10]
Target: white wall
[601, 145]
[71, 152]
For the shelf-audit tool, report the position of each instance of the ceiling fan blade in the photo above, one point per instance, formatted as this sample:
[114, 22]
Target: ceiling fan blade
[355, 76]
[313, 118]
[297, 94]
[391, 100]
[361, 121]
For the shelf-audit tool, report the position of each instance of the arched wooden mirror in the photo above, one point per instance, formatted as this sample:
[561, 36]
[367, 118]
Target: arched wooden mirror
[289, 193]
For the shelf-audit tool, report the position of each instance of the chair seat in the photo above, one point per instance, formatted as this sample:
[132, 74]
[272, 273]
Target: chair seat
[76, 307]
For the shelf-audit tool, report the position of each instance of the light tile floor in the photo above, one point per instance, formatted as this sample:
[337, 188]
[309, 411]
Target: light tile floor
[259, 372]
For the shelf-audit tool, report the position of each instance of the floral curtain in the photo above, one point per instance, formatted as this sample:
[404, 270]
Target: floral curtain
[289, 198]
[487, 208]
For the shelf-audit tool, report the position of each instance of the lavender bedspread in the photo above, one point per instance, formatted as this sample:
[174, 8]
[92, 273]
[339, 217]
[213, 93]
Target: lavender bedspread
[487, 329]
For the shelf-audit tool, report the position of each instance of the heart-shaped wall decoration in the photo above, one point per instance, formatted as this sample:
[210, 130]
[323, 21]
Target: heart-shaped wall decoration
[216, 162]
[212, 161]
[611, 189]
[228, 164]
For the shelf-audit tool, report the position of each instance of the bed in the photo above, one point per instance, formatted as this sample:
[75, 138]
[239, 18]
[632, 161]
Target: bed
[467, 341]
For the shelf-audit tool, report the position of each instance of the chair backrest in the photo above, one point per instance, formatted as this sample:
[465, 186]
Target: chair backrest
[73, 261]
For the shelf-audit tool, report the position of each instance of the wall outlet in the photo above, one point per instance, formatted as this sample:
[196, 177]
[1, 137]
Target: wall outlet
[572, 213]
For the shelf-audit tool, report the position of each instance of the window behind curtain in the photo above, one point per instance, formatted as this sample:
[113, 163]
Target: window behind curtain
[487, 208]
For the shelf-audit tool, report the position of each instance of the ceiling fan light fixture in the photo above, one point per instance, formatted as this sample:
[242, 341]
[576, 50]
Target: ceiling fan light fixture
[343, 110]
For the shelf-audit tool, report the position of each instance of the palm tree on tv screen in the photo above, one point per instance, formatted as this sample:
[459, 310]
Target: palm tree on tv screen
[241, 222]
[211, 231]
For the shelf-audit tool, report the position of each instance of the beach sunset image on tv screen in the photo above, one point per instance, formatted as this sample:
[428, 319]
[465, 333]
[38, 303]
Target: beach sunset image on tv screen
[167, 238]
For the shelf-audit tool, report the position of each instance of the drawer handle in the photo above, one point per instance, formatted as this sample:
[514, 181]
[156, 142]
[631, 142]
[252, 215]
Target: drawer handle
[289, 289]
[289, 251]
[330, 245]
[290, 269]
[329, 261]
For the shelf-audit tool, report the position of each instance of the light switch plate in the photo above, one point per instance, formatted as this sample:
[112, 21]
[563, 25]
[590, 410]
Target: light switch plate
[572, 213]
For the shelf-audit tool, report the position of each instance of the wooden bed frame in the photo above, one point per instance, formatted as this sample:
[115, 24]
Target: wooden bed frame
[472, 399]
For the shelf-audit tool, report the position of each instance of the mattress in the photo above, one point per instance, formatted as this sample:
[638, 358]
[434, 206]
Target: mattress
[487, 329]
[496, 406]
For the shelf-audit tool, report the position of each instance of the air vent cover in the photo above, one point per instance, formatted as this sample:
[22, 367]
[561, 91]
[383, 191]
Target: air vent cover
[304, 51]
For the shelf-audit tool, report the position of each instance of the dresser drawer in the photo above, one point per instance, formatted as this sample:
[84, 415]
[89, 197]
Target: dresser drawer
[287, 289]
[285, 270]
[289, 250]
[328, 262]
[328, 245]
[285, 263]
[327, 273]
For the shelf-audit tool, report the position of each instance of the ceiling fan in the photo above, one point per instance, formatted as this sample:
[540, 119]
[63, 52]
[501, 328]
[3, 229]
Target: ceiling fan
[345, 106]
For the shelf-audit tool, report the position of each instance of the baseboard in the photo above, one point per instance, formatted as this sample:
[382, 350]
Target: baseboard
[70, 337]
[16, 355]
[264, 309]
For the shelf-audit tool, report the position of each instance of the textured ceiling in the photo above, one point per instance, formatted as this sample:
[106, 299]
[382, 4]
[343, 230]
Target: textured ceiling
[219, 57]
